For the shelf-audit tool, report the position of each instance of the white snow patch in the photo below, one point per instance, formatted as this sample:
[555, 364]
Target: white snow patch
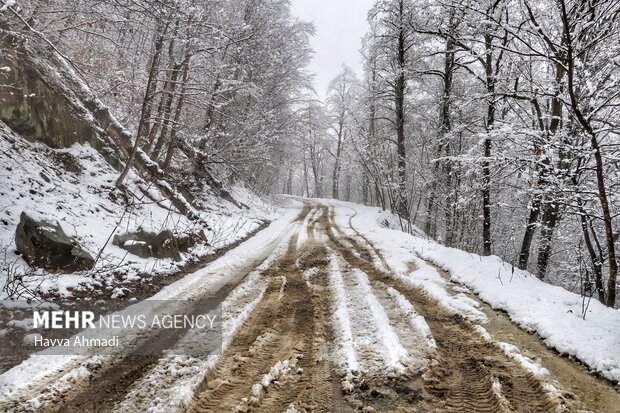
[513, 352]
[396, 355]
[418, 322]
[483, 332]
[282, 285]
[552, 312]
[41, 378]
[340, 315]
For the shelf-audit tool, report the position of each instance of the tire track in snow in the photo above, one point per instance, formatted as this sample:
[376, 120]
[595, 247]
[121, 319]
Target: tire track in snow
[241, 380]
[115, 384]
[170, 383]
[340, 317]
[375, 344]
[305, 233]
[89, 379]
[466, 369]
[395, 355]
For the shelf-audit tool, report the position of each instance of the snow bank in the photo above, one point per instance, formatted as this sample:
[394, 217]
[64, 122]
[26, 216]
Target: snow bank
[552, 312]
[56, 372]
[76, 187]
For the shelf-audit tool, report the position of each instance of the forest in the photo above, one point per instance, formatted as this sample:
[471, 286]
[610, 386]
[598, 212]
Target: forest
[490, 125]
[437, 230]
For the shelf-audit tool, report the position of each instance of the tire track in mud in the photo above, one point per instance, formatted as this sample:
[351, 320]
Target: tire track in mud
[286, 326]
[284, 353]
[466, 373]
[374, 390]
[109, 386]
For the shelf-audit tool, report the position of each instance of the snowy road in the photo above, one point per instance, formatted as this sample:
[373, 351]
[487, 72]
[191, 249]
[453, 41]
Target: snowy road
[317, 320]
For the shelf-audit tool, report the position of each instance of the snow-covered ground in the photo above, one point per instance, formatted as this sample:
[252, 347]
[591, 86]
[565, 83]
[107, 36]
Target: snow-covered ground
[379, 330]
[47, 378]
[75, 187]
[552, 312]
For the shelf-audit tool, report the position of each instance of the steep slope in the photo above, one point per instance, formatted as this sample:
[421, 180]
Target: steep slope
[75, 186]
[61, 154]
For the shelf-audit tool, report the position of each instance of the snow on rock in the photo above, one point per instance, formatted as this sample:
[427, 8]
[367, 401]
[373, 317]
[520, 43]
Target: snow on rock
[55, 372]
[551, 311]
[75, 186]
[29, 339]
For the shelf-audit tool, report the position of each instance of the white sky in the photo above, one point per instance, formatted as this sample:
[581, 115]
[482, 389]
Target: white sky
[340, 25]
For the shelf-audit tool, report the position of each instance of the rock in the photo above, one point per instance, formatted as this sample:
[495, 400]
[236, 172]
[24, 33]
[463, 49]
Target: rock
[187, 241]
[149, 244]
[44, 244]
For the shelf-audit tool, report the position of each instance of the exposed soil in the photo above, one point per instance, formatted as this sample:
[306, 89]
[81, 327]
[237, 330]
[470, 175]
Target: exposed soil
[286, 355]
[12, 349]
[284, 326]
[467, 373]
[581, 390]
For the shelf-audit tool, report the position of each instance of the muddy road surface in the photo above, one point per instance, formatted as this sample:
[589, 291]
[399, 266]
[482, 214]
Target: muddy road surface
[322, 325]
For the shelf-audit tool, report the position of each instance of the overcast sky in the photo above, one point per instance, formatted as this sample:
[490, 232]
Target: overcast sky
[340, 25]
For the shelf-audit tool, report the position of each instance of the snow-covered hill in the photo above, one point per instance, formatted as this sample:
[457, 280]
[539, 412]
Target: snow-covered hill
[75, 186]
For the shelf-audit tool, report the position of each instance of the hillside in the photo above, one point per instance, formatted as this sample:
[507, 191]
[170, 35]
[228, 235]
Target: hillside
[75, 186]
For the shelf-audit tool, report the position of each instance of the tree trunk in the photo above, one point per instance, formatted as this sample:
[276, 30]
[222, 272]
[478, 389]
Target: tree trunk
[595, 259]
[146, 103]
[167, 114]
[549, 222]
[530, 228]
[177, 114]
[607, 220]
[554, 124]
[289, 182]
[306, 184]
[399, 103]
[444, 130]
[150, 141]
[486, 165]
[336, 174]
[598, 157]
[365, 185]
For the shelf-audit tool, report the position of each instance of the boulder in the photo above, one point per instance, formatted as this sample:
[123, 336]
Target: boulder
[149, 244]
[44, 244]
[187, 241]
